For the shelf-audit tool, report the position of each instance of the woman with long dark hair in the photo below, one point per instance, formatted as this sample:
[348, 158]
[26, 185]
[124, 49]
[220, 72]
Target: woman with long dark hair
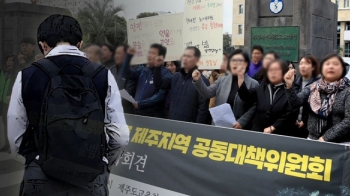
[309, 73]
[273, 114]
[173, 66]
[328, 99]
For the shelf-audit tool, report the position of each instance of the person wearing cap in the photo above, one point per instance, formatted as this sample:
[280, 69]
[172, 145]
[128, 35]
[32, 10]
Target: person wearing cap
[27, 56]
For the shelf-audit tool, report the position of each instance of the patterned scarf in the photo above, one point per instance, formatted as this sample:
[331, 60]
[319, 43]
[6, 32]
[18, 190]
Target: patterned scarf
[324, 107]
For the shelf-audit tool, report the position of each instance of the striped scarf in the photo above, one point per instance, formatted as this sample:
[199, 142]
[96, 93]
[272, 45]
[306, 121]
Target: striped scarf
[323, 107]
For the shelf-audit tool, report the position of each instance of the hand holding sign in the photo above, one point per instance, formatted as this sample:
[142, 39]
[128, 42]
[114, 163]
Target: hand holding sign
[196, 75]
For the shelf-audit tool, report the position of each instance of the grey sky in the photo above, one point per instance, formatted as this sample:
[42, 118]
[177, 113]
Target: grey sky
[134, 7]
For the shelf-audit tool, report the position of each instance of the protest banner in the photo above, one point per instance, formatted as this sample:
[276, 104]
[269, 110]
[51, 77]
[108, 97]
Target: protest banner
[175, 158]
[172, 158]
[203, 28]
[164, 29]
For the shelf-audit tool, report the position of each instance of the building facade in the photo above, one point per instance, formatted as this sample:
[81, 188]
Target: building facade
[343, 41]
[343, 27]
[238, 23]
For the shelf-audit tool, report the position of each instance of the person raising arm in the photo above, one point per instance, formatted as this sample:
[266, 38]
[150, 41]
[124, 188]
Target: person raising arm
[329, 101]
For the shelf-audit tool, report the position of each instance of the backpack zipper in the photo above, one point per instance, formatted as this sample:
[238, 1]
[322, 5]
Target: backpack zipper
[86, 119]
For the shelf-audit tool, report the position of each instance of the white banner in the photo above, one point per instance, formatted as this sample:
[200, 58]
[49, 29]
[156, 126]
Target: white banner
[163, 29]
[126, 187]
[203, 28]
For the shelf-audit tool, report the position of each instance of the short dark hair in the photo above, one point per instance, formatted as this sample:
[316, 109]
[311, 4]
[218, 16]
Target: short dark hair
[161, 49]
[257, 47]
[28, 40]
[284, 66]
[197, 52]
[339, 58]
[59, 28]
[245, 56]
[314, 62]
[109, 46]
[125, 47]
[277, 56]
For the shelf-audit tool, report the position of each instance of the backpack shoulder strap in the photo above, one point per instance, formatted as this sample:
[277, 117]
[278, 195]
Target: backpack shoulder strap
[48, 67]
[91, 69]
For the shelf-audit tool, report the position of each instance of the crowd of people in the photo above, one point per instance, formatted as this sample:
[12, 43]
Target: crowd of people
[67, 89]
[313, 104]
[266, 93]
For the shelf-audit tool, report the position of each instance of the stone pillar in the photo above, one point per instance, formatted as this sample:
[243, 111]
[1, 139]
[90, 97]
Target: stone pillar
[251, 19]
[316, 19]
[21, 20]
[342, 42]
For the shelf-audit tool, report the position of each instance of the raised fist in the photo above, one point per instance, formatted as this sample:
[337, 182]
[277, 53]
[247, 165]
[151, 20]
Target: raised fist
[196, 75]
[289, 78]
[131, 51]
[159, 61]
[241, 71]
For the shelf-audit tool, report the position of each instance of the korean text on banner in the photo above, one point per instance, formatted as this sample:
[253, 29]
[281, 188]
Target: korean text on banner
[203, 28]
[164, 29]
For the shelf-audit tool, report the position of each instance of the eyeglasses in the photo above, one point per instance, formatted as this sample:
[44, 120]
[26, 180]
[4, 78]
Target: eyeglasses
[237, 60]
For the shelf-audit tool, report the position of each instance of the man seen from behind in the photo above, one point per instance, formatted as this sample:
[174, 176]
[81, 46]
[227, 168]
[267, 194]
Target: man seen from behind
[65, 117]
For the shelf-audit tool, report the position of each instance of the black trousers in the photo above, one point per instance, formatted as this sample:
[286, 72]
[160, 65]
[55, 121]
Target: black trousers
[4, 120]
[36, 183]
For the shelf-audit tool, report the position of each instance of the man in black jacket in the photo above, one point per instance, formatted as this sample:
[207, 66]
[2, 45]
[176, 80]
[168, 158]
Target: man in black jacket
[186, 104]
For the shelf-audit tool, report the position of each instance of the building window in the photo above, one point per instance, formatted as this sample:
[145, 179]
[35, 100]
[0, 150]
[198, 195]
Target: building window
[347, 26]
[337, 2]
[241, 9]
[347, 49]
[240, 29]
[346, 3]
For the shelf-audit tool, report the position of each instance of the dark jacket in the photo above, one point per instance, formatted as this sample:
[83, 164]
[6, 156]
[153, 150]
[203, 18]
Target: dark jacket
[34, 83]
[150, 98]
[278, 114]
[338, 122]
[128, 85]
[303, 132]
[108, 64]
[186, 104]
[259, 76]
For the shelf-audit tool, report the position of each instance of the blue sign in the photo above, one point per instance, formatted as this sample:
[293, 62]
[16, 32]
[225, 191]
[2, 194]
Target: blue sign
[276, 6]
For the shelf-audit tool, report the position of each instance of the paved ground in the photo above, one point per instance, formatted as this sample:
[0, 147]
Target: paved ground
[11, 173]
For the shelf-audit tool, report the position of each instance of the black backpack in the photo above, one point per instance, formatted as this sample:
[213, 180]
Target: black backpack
[70, 136]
